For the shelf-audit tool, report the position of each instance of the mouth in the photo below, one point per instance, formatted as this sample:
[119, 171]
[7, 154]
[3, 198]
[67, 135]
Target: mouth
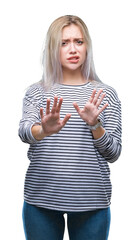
[73, 59]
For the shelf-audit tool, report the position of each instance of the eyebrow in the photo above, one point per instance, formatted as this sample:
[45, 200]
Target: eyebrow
[74, 39]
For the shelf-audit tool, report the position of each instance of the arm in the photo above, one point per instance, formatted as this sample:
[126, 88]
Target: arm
[30, 114]
[98, 133]
[91, 112]
[50, 122]
[106, 139]
[109, 145]
[35, 125]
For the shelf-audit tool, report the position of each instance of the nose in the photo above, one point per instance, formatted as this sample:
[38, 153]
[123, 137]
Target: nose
[72, 48]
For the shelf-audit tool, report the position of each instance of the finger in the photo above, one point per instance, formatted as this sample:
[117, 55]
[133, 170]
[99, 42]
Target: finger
[99, 93]
[59, 105]
[92, 96]
[54, 104]
[66, 118]
[76, 107]
[100, 100]
[48, 106]
[41, 113]
[103, 108]
[97, 96]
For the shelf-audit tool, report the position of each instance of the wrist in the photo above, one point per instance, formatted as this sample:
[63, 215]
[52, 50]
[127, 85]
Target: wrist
[98, 133]
[37, 132]
[41, 133]
[95, 126]
[97, 129]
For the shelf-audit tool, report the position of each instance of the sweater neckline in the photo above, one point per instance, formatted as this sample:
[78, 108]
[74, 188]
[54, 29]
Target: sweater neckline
[73, 86]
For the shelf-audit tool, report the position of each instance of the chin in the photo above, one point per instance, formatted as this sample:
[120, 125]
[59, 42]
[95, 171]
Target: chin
[72, 67]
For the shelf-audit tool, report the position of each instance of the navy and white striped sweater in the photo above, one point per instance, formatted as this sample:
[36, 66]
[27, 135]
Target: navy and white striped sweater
[69, 170]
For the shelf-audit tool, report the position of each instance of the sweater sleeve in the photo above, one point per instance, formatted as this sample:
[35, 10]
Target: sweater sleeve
[109, 145]
[30, 114]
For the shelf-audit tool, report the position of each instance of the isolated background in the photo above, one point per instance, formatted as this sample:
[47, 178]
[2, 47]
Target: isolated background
[114, 29]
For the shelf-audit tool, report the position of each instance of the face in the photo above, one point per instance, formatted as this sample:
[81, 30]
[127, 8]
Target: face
[73, 48]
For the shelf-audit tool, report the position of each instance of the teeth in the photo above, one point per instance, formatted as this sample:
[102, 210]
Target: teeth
[75, 58]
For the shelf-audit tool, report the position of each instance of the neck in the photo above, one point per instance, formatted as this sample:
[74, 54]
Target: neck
[73, 78]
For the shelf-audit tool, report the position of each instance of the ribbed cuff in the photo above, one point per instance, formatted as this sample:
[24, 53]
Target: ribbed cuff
[29, 135]
[101, 143]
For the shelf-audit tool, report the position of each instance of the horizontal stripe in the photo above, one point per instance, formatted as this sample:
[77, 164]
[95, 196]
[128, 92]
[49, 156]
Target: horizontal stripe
[69, 171]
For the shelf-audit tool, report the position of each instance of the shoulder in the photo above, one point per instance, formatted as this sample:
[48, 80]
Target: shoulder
[34, 93]
[34, 89]
[111, 93]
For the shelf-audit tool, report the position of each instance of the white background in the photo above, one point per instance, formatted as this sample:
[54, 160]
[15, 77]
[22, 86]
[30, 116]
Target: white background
[114, 29]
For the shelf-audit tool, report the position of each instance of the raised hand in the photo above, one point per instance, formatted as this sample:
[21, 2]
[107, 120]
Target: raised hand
[92, 109]
[50, 121]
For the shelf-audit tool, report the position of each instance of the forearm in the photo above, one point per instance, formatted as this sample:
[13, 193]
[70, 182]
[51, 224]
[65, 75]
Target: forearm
[108, 146]
[25, 132]
[98, 133]
[105, 143]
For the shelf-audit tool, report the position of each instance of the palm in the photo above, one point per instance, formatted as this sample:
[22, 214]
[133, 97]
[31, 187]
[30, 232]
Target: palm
[51, 122]
[91, 110]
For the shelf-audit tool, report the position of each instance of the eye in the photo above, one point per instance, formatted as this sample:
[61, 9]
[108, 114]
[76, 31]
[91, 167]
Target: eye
[80, 42]
[64, 43]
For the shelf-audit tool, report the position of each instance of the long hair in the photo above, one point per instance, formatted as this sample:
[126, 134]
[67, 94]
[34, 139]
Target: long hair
[52, 69]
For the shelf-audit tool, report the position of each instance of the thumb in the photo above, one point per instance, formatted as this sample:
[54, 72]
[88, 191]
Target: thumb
[66, 118]
[76, 107]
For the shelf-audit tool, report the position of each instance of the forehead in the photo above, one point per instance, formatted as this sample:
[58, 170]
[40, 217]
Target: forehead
[72, 31]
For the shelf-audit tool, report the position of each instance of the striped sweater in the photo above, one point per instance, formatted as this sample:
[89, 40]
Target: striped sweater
[69, 171]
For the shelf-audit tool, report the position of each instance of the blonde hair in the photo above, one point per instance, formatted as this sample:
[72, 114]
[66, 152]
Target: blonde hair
[52, 70]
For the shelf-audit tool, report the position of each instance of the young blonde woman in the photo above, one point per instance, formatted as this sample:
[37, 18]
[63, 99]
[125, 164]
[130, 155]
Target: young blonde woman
[72, 122]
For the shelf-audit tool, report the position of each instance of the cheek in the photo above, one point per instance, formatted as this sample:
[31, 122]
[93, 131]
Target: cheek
[84, 53]
[62, 55]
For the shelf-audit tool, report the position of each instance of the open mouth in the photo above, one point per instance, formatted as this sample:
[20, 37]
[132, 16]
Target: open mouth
[73, 59]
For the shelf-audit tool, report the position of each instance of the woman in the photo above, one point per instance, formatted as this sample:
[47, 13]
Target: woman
[72, 122]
